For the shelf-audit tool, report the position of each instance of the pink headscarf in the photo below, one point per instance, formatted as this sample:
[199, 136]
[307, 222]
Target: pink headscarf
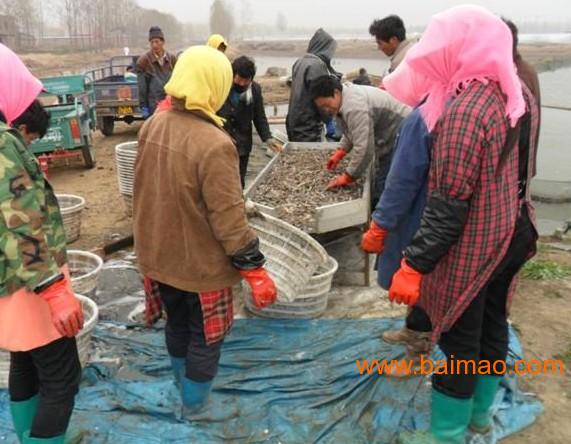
[407, 85]
[463, 44]
[18, 87]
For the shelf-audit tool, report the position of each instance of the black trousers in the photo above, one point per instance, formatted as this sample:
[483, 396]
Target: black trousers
[184, 334]
[481, 333]
[244, 159]
[418, 320]
[54, 372]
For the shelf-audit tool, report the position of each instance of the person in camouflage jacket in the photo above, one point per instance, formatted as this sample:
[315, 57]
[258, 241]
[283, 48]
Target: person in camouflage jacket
[39, 313]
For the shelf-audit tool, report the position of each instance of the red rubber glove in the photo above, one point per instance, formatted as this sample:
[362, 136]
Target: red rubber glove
[340, 181]
[405, 288]
[67, 314]
[337, 157]
[264, 290]
[373, 240]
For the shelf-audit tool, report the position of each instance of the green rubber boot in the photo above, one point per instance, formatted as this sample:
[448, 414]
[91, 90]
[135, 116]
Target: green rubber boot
[55, 440]
[484, 395]
[23, 413]
[448, 423]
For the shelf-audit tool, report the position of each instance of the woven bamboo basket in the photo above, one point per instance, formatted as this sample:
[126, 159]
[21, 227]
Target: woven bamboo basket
[292, 256]
[125, 157]
[91, 312]
[71, 208]
[85, 268]
[310, 304]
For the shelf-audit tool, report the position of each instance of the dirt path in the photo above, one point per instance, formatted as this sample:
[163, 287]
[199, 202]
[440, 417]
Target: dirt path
[541, 313]
[105, 213]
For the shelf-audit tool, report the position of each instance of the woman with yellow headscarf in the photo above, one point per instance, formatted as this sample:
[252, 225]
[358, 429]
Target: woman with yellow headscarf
[191, 232]
[218, 42]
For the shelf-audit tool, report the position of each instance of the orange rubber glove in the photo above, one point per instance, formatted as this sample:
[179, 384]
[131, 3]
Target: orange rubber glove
[405, 288]
[340, 181]
[337, 157]
[67, 314]
[373, 240]
[264, 290]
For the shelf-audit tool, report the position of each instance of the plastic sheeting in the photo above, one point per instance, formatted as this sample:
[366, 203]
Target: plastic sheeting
[279, 382]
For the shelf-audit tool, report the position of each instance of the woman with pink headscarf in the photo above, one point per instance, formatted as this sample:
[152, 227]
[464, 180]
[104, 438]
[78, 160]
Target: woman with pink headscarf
[476, 231]
[39, 314]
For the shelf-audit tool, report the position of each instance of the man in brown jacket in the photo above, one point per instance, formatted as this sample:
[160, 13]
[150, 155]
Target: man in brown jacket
[191, 232]
[154, 69]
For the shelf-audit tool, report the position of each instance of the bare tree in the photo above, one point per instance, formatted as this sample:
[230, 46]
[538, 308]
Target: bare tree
[281, 22]
[221, 19]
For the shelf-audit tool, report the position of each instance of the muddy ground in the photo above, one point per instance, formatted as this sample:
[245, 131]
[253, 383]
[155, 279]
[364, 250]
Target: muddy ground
[541, 311]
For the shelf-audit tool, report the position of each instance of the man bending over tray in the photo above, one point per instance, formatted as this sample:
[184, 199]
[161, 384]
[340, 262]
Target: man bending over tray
[369, 118]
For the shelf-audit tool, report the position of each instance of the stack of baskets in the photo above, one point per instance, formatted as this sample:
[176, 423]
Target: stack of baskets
[310, 304]
[85, 268]
[71, 208]
[292, 258]
[91, 313]
[125, 156]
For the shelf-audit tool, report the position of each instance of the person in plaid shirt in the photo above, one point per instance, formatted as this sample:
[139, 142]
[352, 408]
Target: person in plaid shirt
[192, 237]
[477, 229]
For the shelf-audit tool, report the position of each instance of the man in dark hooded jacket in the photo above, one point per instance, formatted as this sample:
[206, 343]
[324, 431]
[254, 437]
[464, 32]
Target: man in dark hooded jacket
[304, 122]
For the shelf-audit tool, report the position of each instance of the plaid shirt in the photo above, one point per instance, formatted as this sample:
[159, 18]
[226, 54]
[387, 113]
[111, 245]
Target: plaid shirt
[468, 142]
[217, 310]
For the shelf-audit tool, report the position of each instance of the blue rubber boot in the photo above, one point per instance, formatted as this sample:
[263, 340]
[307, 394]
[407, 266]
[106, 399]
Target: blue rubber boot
[484, 395]
[178, 369]
[55, 440]
[23, 413]
[448, 423]
[194, 394]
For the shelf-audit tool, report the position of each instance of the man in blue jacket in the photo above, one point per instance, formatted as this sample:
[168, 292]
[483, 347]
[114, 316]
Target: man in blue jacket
[397, 218]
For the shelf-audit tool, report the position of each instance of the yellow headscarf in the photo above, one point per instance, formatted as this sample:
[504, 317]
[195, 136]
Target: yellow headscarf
[202, 77]
[215, 40]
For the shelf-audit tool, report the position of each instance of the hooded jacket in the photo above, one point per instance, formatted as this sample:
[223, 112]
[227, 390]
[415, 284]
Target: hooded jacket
[304, 122]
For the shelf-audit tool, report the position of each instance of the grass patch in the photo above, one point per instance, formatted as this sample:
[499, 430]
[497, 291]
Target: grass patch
[565, 357]
[538, 270]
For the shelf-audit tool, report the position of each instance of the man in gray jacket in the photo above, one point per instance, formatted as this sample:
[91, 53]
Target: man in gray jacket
[304, 122]
[370, 119]
[390, 35]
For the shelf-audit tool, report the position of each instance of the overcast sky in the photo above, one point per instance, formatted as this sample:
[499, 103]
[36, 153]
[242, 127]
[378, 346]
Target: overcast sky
[359, 13]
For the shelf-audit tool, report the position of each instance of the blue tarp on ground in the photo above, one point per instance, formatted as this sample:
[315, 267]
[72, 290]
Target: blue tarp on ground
[279, 382]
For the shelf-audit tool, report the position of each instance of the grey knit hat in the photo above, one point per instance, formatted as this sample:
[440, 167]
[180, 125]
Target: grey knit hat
[156, 33]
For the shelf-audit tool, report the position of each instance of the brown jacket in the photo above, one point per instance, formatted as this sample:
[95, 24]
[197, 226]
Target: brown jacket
[152, 77]
[189, 213]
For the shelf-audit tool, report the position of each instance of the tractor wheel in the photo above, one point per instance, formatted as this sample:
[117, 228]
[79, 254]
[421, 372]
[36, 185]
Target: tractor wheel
[108, 125]
[88, 153]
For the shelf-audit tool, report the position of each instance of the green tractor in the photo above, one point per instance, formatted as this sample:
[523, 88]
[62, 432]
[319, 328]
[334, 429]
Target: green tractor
[70, 102]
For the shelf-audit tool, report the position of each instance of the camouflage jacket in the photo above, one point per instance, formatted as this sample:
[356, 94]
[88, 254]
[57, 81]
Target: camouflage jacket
[32, 239]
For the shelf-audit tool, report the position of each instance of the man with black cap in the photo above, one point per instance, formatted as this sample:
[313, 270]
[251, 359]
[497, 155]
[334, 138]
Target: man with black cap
[153, 72]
